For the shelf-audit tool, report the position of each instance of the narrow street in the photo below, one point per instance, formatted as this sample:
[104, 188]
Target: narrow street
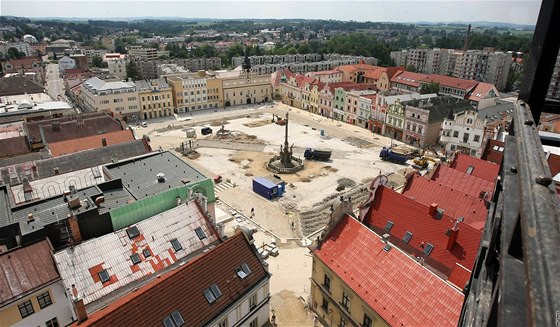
[55, 86]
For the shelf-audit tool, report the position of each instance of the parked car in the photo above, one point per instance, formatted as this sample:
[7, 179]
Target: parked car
[144, 124]
[206, 131]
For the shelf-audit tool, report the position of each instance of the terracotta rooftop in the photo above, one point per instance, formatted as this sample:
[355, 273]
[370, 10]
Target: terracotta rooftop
[326, 72]
[26, 62]
[24, 270]
[482, 91]
[454, 82]
[399, 289]
[454, 203]
[348, 86]
[410, 216]
[90, 142]
[476, 167]
[183, 288]
[494, 152]
[554, 164]
[375, 73]
[408, 78]
[459, 276]
[355, 67]
[462, 182]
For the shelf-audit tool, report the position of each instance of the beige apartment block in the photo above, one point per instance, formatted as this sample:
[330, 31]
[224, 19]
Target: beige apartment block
[155, 98]
[111, 96]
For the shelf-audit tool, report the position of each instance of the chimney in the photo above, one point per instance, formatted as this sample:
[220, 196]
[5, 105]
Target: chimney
[79, 306]
[56, 171]
[30, 218]
[74, 229]
[104, 141]
[466, 46]
[454, 233]
[433, 209]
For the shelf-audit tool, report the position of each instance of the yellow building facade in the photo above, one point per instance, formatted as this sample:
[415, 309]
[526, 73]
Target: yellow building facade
[336, 304]
[246, 89]
[155, 97]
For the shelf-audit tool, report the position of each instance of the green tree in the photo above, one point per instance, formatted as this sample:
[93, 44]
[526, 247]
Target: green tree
[97, 61]
[14, 53]
[132, 71]
[429, 88]
[411, 68]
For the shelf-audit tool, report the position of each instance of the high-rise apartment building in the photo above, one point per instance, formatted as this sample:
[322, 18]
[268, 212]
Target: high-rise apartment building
[481, 65]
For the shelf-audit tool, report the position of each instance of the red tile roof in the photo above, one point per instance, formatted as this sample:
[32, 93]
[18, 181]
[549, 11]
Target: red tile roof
[347, 86]
[326, 72]
[25, 270]
[459, 276]
[454, 203]
[183, 288]
[483, 169]
[454, 82]
[494, 152]
[400, 290]
[408, 78]
[89, 142]
[355, 67]
[462, 182]
[481, 91]
[26, 62]
[376, 73]
[554, 164]
[412, 216]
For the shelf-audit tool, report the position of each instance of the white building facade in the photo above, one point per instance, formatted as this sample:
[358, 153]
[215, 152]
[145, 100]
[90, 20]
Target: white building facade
[465, 133]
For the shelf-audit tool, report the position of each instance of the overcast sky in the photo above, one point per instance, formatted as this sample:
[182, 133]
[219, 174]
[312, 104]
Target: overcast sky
[521, 12]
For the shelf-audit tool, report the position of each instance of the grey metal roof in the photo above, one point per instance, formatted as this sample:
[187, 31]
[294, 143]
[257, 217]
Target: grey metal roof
[495, 112]
[90, 158]
[114, 199]
[139, 174]
[440, 107]
[160, 83]
[52, 210]
[5, 216]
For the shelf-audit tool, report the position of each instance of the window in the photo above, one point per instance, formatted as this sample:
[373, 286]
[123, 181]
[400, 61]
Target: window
[243, 271]
[52, 323]
[176, 245]
[26, 309]
[470, 170]
[104, 276]
[200, 233]
[452, 148]
[132, 232]
[212, 293]
[407, 237]
[345, 300]
[44, 300]
[327, 283]
[253, 301]
[254, 323]
[456, 134]
[146, 252]
[368, 322]
[388, 226]
[223, 323]
[476, 138]
[325, 304]
[135, 258]
[428, 249]
[343, 322]
[174, 320]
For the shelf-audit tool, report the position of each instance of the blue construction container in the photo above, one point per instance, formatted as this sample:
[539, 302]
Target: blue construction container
[265, 187]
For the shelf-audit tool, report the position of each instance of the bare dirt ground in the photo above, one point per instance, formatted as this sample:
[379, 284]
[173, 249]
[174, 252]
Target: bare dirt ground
[241, 155]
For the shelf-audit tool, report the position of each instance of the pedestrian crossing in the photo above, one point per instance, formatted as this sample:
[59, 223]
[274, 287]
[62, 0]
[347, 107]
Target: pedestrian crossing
[222, 187]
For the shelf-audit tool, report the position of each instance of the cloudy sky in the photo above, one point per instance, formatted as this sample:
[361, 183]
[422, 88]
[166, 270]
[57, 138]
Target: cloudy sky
[521, 12]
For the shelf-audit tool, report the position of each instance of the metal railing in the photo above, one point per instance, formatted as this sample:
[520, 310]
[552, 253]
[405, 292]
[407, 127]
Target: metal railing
[515, 280]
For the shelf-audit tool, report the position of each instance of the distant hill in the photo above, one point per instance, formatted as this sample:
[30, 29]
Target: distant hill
[479, 24]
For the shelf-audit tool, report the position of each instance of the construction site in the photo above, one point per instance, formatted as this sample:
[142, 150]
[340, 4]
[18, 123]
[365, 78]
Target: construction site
[240, 146]
[235, 147]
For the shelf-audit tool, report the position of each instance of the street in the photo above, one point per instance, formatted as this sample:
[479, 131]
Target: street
[55, 86]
